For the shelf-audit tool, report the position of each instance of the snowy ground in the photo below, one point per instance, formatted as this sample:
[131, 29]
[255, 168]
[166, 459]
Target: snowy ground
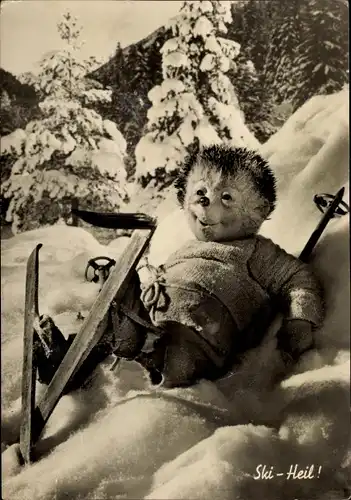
[207, 441]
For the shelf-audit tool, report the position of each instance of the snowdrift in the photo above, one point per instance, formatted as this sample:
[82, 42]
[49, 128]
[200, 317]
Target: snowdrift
[119, 439]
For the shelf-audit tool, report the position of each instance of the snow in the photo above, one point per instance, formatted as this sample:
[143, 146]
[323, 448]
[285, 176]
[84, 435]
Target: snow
[97, 95]
[232, 118]
[229, 47]
[170, 45]
[176, 59]
[311, 126]
[111, 164]
[168, 150]
[119, 439]
[207, 134]
[164, 108]
[205, 7]
[13, 142]
[152, 155]
[159, 92]
[203, 27]
[186, 132]
[212, 45]
[208, 63]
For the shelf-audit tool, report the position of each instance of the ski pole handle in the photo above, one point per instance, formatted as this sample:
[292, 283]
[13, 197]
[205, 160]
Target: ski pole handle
[328, 215]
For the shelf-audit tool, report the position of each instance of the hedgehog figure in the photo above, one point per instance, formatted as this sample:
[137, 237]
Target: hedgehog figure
[226, 193]
[218, 293]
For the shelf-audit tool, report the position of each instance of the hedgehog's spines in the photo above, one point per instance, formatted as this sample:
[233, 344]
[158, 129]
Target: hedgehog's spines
[229, 161]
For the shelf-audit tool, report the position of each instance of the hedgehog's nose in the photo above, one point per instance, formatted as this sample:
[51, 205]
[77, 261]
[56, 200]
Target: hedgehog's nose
[204, 201]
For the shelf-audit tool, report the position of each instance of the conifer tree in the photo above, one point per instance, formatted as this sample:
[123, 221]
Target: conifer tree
[129, 91]
[252, 26]
[279, 71]
[196, 102]
[321, 65]
[255, 102]
[68, 153]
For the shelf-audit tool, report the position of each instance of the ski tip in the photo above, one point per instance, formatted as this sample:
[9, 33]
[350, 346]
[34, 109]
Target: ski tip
[340, 193]
[34, 253]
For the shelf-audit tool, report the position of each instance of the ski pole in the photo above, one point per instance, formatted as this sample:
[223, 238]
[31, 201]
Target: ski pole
[328, 215]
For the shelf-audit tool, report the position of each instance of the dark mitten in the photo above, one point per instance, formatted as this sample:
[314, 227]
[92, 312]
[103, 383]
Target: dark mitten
[129, 322]
[294, 338]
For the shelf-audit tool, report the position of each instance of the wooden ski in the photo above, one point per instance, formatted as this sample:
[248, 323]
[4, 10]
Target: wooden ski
[31, 316]
[91, 332]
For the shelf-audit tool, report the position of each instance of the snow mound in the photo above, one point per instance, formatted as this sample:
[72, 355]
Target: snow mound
[315, 133]
[108, 441]
[16, 250]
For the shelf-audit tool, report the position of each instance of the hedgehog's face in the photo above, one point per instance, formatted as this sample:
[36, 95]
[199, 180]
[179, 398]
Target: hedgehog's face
[222, 208]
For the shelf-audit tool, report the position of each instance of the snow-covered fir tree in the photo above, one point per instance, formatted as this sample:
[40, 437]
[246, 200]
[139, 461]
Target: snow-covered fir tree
[70, 152]
[196, 103]
[321, 66]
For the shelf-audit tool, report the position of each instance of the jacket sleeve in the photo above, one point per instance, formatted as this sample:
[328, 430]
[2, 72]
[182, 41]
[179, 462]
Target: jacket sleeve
[289, 280]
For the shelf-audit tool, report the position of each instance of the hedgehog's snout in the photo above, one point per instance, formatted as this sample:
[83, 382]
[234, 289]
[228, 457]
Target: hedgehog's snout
[202, 197]
[204, 201]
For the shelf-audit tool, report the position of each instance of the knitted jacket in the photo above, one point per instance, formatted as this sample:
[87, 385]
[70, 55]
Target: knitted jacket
[224, 293]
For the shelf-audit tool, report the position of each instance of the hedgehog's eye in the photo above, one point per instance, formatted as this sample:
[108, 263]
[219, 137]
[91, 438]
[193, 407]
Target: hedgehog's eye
[200, 192]
[226, 197]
